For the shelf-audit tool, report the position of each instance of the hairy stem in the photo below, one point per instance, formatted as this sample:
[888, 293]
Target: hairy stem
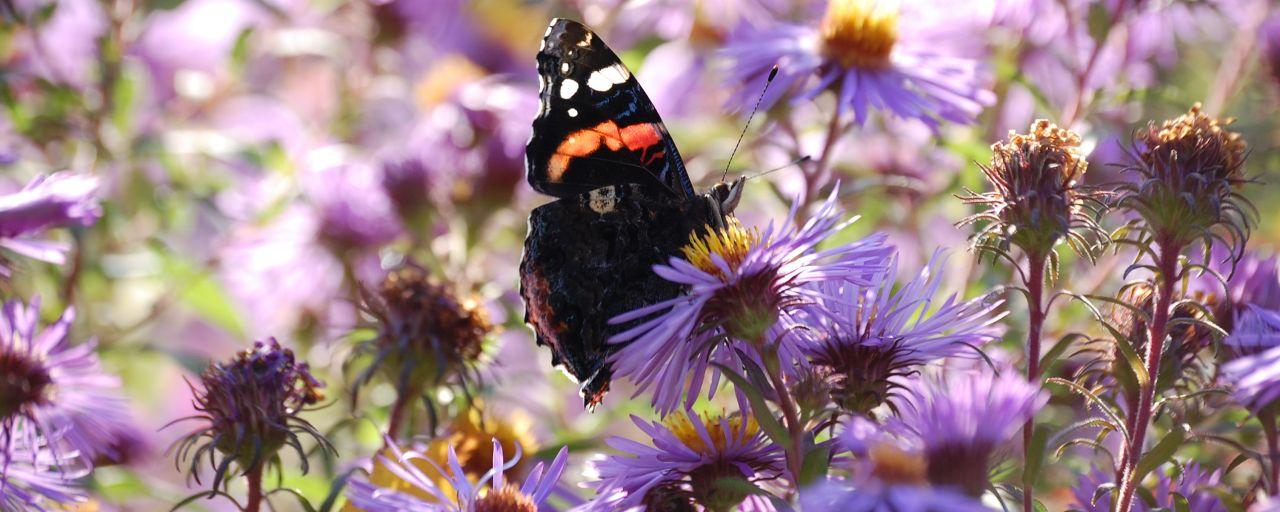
[795, 450]
[254, 502]
[1035, 304]
[1268, 419]
[1158, 329]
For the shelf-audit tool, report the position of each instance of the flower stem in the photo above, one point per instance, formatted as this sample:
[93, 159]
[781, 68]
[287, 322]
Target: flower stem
[399, 409]
[1035, 304]
[1167, 267]
[795, 451]
[254, 501]
[1268, 419]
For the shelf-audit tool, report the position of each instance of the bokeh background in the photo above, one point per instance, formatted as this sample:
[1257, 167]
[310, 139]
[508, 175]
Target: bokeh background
[261, 161]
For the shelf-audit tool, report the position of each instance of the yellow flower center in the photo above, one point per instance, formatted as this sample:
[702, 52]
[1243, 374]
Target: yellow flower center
[731, 244]
[471, 436]
[720, 432]
[893, 465]
[444, 78]
[860, 33]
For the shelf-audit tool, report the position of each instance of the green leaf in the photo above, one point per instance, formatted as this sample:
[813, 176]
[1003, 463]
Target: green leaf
[815, 465]
[1058, 349]
[1160, 453]
[759, 407]
[204, 295]
[1035, 454]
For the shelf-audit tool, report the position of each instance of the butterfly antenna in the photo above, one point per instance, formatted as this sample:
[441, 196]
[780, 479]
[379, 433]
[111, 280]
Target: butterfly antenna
[772, 74]
[797, 161]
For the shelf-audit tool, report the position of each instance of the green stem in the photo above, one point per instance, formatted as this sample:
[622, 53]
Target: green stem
[795, 449]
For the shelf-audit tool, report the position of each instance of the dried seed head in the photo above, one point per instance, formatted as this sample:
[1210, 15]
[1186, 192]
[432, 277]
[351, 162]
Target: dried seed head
[426, 334]
[1187, 173]
[1037, 198]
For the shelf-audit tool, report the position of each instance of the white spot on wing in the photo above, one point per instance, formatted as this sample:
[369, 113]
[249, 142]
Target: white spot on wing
[573, 112]
[603, 200]
[564, 67]
[568, 88]
[585, 41]
[604, 79]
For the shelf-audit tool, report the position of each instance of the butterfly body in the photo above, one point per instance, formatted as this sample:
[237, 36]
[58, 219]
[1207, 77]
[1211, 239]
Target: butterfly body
[625, 204]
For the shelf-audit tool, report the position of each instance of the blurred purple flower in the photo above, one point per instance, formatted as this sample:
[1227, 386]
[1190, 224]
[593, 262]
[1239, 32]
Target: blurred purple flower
[57, 200]
[872, 55]
[1193, 483]
[63, 48]
[36, 478]
[188, 49]
[633, 20]
[282, 277]
[869, 337]
[742, 284]
[353, 210]
[1270, 35]
[1250, 306]
[460, 494]
[52, 389]
[1255, 379]
[961, 419]
[681, 463]
[834, 494]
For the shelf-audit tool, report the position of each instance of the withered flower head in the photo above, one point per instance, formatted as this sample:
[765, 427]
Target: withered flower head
[1037, 198]
[425, 333]
[1189, 336]
[1187, 172]
[250, 409]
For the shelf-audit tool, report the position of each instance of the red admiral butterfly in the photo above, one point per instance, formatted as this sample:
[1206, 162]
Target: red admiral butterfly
[626, 203]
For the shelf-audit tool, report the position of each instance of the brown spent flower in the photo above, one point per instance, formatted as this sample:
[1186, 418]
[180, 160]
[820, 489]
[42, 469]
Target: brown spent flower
[1037, 198]
[426, 334]
[1188, 170]
[1187, 337]
[250, 408]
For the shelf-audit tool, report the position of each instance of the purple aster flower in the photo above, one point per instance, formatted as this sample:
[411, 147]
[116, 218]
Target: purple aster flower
[1250, 308]
[1270, 34]
[684, 463]
[249, 409]
[960, 420]
[37, 479]
[354, 211]
[456, 492]
[57, 200]
[834, 494]
[188, 49]
[633, 20]
[64, 47]
[1194, 483]
[742, 285]
[873, 55]
[1255, 379]
[866, 338]
[889, 473]
[51, 389]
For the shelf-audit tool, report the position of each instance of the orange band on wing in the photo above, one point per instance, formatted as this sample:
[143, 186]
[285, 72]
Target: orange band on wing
[637, 137]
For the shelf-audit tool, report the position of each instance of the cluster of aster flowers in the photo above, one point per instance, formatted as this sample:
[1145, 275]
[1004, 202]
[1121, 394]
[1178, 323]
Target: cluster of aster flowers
[349, 177]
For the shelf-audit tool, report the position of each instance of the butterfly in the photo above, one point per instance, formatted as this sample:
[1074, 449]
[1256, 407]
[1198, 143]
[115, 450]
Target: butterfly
[625, 203]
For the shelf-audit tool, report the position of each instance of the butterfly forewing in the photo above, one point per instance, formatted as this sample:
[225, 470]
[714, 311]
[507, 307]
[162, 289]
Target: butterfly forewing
[596, 127]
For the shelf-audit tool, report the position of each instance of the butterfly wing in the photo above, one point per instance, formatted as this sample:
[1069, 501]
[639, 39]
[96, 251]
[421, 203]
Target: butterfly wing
[596, 126]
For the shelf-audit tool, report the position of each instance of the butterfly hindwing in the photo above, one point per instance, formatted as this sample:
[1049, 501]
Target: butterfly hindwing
[596, 126]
